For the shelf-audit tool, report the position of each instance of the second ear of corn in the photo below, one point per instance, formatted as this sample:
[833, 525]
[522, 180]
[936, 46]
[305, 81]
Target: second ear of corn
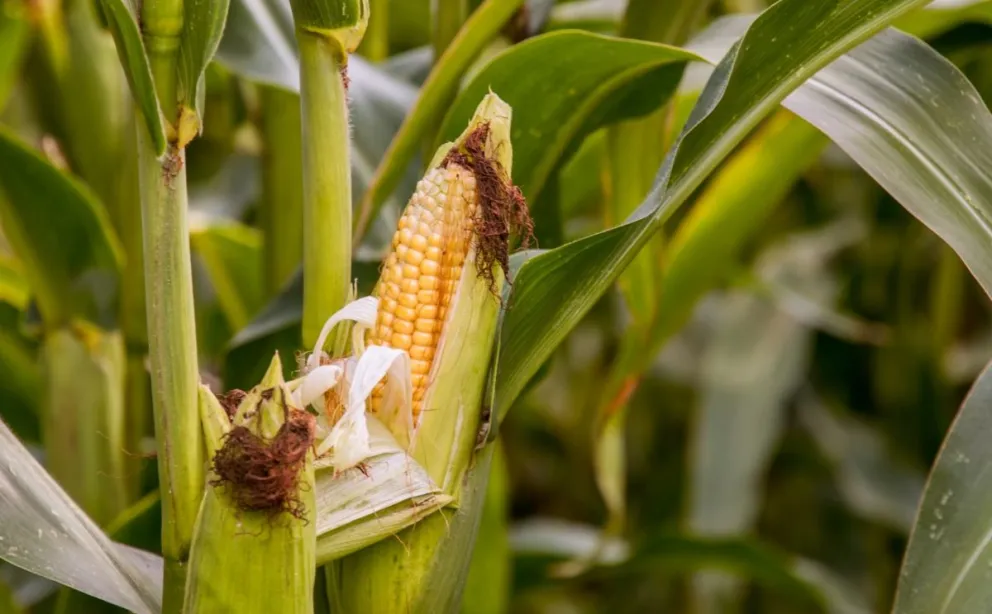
[254, 543]
[439, 299]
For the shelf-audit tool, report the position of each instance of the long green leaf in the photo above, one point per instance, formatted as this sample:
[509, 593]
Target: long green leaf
[914, 123]
[55, 225]
[757, 358]
[783, 48]
[946, 566]
[122, 17]
[45, 533]
[608, 79]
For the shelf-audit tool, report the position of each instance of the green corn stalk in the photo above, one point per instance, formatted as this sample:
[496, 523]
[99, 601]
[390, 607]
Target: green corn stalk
[246, 559]
[424, 568]
[282, 185]
[326, 31]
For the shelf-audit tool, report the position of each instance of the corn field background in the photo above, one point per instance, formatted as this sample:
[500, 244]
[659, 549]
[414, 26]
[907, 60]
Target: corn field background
[739, 366]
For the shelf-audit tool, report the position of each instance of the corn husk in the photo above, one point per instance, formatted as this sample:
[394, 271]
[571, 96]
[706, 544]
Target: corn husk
[249, 561]
[423, 568]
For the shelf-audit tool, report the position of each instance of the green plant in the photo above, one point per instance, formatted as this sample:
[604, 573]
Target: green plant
[268, 164]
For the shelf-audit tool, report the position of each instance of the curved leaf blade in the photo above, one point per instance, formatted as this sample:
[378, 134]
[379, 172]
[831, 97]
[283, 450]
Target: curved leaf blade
[913, 122]
[784, 47]
[123, 21]
[203, 25]
[56, 226]
[259, 43]
[549, 114]
[946, 568]
[232, 255]
[47, 534]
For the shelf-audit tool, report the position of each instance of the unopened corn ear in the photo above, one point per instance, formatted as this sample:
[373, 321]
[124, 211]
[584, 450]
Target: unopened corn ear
[254, 544]
[439, 299]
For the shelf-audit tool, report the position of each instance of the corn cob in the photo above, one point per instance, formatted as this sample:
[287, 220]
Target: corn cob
[425, 265]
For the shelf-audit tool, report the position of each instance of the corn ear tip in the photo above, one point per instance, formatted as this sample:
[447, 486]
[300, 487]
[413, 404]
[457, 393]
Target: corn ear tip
[273, 375]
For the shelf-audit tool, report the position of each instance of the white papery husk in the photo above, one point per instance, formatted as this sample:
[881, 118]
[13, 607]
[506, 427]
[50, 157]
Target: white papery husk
[368, 486]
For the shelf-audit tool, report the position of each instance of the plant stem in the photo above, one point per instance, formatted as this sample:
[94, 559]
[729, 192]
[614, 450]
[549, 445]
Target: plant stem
[326, 181]
[172, 349]
[172, 354]
[448, 17]
[375, 45]
[282, 186]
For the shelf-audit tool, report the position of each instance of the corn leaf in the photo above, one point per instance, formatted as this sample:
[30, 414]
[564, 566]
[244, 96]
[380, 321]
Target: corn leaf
[878, 114]
[203, 25]
[784, 47]
[59, 231]
[873, 484]
[946, 565]
[15, 33]
[232, 255]
[755, 362]
[610, 79]
[122, 18]
[544, 542]
[44, 532]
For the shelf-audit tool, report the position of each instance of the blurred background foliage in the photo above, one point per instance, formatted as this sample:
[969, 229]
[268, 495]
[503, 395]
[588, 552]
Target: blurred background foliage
[775, 433]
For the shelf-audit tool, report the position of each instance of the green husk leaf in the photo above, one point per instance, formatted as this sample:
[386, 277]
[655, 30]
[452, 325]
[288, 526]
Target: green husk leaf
[424, 568]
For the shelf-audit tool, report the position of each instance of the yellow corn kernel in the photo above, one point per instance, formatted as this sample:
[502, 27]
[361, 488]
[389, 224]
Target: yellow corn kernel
[423, 270]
